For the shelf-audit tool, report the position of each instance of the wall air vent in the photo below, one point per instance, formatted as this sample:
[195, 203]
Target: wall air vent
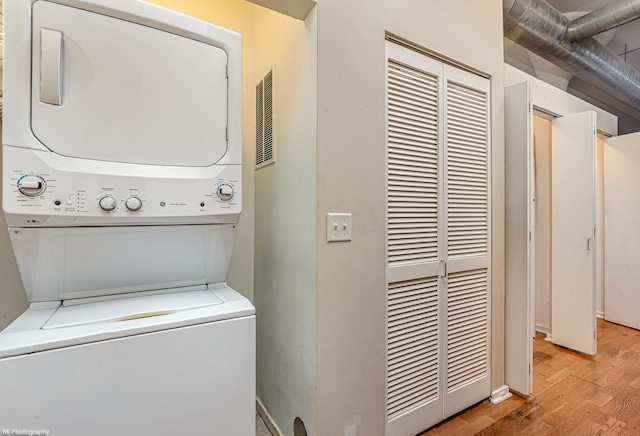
[265, 141]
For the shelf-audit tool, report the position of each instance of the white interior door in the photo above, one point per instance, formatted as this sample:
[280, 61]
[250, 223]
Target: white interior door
[414, 213]
[466, 241]
[519, 237]
[573, 297]
[622, 218]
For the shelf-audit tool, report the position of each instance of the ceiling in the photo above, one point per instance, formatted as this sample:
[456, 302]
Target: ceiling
[624, 41]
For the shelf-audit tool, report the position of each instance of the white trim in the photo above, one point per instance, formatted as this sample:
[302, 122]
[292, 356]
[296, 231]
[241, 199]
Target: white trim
[600, 314]
[499, 395]
[558, 103]
[267, 418]
[543, 329]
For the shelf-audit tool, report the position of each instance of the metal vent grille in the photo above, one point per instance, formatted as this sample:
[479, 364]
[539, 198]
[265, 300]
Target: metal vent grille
[467, 201]
[467, 324]
[265, 146]
[412, 345]
[260, 123]
[412, 165]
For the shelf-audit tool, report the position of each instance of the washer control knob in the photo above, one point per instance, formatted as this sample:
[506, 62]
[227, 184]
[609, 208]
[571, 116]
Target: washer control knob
[133, 203]
[225, 192]
[31, 186]
[107, 203]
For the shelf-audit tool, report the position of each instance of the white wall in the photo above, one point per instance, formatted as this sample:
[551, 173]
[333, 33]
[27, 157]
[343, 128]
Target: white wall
[351, 165]
[13, 300]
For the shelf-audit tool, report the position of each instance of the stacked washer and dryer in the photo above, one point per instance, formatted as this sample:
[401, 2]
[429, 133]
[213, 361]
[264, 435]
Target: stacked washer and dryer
[122, 193]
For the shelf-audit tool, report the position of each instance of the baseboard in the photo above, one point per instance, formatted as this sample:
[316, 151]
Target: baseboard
[267, 419]
[500, 394]
[543, 329]
[600, 314]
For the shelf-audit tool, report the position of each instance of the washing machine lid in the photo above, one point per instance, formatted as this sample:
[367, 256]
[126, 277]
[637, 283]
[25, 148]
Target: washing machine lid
[132, 308]
[27, 335]
[108, 89]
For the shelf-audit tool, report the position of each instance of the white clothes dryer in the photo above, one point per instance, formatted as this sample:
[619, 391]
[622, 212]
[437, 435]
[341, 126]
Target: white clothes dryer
[122, 191]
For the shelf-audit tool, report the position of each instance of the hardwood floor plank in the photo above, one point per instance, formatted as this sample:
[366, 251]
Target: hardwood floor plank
[600, 399]
[573, 394]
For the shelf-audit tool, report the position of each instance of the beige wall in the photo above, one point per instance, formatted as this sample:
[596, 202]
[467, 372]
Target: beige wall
[600, 227]
[13, 300]
[285, 237]
[542, 149]
[351, 162]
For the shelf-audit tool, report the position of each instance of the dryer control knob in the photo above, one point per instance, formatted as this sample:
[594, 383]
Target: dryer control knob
[31, 186]
[225, 192]
[107, 203]
[133, 203]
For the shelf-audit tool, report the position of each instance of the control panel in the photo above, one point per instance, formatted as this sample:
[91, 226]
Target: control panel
[31, 186]
[33, 196]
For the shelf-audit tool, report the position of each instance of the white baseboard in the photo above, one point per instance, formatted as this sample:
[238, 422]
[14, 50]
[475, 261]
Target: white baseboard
[600, 314]
[500, 394]
[543, 329]
[267, 418]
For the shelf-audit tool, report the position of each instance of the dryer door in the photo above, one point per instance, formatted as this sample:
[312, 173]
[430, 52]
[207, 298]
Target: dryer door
[109, 89]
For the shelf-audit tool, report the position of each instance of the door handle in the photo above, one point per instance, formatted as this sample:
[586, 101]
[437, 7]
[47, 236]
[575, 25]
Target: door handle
[589, 244]
[51, 67]
[443, 268]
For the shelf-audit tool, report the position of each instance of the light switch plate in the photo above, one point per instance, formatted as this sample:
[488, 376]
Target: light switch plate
[338, 227]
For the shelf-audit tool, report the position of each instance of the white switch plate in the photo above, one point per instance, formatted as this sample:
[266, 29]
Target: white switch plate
[338, 227]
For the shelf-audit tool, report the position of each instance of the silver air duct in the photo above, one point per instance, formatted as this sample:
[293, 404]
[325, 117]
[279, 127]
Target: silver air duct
[539, 27]
[603, 19]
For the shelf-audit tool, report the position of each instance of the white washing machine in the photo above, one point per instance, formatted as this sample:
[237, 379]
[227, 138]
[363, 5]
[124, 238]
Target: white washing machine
[122, 192]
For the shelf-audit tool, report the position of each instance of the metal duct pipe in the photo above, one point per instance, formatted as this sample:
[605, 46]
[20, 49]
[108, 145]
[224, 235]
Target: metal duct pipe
[603, 19]
[539, 27]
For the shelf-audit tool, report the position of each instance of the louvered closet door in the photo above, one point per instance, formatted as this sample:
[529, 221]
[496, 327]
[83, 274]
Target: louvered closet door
[466, 311]
[414, 174]
[437, 241]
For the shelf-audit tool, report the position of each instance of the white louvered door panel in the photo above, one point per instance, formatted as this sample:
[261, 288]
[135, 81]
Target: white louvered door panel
[413, 370]
[437, 210]
[414, 399]
[466, 360]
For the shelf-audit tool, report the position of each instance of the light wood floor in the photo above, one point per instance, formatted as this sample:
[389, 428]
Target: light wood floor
[572, 394]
